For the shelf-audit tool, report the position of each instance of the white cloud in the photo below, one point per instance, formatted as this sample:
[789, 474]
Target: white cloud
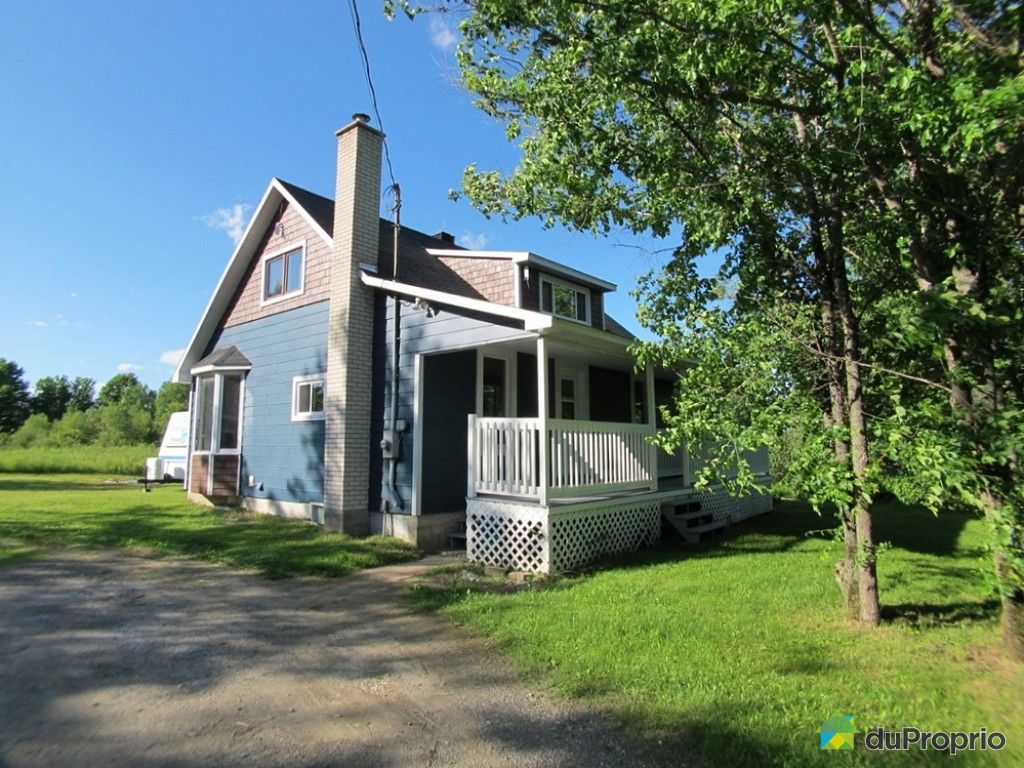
[441, 34]
[128, 367]
[475, 241]
[41, 324]
[230, 220]
[172, 356]
[73, 295]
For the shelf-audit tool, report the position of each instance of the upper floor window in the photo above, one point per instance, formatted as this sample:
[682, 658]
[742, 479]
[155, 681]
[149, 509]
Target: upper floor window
[283, 274]
[308, 398]
[564, 300]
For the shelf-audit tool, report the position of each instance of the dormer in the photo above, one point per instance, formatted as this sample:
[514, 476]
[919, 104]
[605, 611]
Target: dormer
[538, 284]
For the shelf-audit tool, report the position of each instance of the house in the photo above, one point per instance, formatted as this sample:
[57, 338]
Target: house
[506, 406]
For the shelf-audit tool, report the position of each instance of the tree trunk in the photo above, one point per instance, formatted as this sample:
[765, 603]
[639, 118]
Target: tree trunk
[1013, 610]
[867, 577]
[846, 568]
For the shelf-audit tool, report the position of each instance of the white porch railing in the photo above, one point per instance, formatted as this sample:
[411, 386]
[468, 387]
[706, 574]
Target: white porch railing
[583, 457]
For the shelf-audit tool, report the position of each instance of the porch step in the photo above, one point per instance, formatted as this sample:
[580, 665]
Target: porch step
[701, 533]
[690, 520]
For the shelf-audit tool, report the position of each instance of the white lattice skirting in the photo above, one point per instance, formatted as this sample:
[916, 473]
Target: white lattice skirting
[731, 509]
[527, 537]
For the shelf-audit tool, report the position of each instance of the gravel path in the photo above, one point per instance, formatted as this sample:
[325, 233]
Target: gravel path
[108, 659]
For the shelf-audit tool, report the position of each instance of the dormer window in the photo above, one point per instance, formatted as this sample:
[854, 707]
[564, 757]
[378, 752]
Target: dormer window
[563, 299]
[283, 273]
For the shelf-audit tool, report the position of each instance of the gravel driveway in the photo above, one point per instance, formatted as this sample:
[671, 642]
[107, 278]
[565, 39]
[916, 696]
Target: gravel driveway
[108, 659]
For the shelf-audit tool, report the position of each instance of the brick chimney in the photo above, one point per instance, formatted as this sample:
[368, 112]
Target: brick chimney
[350, 330]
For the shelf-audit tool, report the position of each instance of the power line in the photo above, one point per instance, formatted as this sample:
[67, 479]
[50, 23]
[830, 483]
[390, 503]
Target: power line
[373, 91]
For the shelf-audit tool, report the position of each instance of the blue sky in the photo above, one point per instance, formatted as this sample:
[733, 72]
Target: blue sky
[135, 138]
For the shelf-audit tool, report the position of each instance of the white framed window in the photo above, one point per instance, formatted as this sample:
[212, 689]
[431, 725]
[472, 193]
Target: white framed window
[565, 300]
[308, 395]
[283, 273]
[218, 418]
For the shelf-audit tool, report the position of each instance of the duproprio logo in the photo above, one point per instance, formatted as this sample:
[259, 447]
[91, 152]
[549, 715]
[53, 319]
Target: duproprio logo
[837, 732]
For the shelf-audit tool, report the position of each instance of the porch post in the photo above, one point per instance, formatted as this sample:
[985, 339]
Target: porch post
[652, 425]
[472, 453]
[542, 418]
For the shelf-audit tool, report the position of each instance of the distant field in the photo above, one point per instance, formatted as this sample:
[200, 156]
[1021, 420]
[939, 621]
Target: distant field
[111, 460]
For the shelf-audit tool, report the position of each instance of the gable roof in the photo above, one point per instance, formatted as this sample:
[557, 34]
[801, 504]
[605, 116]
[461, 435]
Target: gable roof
[227, 357]
[417, 262]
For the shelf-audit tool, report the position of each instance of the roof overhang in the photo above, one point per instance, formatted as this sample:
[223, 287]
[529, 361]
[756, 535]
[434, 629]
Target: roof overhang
[235, 270]
[526, 257]
[532, 321]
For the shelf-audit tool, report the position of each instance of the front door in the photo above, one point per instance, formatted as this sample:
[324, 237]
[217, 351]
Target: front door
[571, 393]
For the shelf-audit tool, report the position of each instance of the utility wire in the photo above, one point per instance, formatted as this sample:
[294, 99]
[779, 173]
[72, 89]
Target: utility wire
[373, 91]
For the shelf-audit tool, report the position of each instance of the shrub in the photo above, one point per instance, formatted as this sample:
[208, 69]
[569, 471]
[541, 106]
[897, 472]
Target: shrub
[34, 432]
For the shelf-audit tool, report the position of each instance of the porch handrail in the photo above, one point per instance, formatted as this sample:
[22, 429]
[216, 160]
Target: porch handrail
[583, 457]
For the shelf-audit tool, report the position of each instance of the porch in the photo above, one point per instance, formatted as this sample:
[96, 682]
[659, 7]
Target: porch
[547, 493]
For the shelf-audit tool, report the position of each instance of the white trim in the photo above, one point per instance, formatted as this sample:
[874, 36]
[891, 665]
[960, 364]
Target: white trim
[276, 182]
[282, 253]
[527, 257]
[221, 369]
[312, 378]
[417, 436]
[509, 358]
[532, 320]
[555, 281]
[517, 284]
[466, 253]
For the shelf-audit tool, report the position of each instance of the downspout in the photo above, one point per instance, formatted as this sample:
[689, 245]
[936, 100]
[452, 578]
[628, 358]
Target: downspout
[391, 500]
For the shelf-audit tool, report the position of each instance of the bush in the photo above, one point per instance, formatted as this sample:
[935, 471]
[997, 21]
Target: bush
[126, 422]
[74, 428]
[34, 432]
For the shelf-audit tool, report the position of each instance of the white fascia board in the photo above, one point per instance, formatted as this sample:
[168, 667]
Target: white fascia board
[220, 369]
[468, 254]
[569, 272]
[328, 241]
[533, 321]
[228, 282]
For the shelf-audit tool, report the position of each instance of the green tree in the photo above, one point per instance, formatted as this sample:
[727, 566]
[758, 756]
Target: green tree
[51, 396]
[82, 394]
[14, 396]
[124, 385]
[170, 397]
[857, 165]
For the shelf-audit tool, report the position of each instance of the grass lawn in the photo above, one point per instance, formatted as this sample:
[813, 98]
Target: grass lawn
[45, 511]
[735, 652]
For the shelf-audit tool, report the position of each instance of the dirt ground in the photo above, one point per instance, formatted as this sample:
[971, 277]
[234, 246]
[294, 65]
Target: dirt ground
[108, 659]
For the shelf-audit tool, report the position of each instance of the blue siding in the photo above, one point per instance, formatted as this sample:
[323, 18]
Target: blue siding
[285, 457]
[444, 330]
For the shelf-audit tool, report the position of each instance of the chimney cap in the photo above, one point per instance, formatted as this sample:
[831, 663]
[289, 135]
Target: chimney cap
[360, 117]
[444, 237]
[359, 120]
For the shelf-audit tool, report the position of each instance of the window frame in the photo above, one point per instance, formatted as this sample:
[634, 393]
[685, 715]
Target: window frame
[215, 448]
[555, 282]
[299, 381]
[282, 253]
